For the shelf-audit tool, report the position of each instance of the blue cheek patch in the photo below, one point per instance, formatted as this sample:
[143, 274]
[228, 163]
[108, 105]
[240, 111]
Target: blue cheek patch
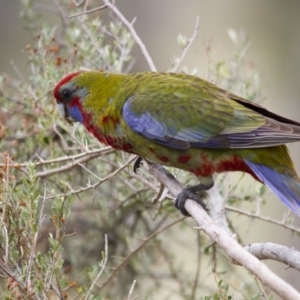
[76, 114]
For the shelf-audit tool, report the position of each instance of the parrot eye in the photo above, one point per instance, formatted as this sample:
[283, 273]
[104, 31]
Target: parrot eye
[66, 93]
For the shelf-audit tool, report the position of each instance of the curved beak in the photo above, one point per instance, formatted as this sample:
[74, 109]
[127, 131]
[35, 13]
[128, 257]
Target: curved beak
[63, 112]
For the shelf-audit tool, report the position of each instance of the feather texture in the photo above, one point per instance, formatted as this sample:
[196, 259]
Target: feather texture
[285, 187]
[184, 122]
[204, 117]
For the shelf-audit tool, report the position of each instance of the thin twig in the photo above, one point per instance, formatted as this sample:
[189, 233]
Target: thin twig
[80, 190]
[79, 4]
[85, 12]
[6, 245]
[67, 167]
[187, 46]
[131, 289]
[262, 218]
[103, 265]
[34, 242]
[134, 251]
[261, 288]
[133, 33]
[41, 162]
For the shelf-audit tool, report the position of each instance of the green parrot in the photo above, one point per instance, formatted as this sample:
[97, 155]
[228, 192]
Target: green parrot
[184, 122]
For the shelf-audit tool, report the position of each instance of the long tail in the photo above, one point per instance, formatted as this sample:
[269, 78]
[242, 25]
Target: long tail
[285, 187]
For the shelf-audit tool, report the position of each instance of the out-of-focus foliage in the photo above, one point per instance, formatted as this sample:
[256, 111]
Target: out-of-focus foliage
[61, 191]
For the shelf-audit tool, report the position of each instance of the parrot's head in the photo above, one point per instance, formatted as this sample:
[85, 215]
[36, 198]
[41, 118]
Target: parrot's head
[70, 95]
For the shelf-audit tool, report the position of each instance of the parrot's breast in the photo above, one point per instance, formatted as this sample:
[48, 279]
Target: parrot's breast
[113, 141]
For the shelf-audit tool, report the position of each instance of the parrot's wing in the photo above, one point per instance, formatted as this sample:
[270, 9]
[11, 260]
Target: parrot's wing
[184, 116]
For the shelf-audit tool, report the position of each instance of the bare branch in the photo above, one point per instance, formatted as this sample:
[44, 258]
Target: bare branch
[283, 254]
[128, 25]
[101, 151]
[133, 33]
[220, 236]
[31, 257]
[69, 166]
[216, 206]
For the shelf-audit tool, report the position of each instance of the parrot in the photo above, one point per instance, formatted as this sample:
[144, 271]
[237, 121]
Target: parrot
[185, 122]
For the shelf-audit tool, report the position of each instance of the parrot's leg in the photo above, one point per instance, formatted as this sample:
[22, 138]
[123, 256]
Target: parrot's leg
[137, 164]
[190, 193]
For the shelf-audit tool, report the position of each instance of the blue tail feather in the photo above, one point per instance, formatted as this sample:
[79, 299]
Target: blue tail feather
[285, 187]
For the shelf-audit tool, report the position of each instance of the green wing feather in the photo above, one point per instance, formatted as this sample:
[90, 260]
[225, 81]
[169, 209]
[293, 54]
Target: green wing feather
[180, 111]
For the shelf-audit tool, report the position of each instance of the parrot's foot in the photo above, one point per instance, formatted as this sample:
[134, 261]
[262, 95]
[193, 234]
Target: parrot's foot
[137, 164]
[190, 193]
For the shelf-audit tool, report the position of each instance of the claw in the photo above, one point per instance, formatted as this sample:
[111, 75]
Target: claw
[137, 164]
[190, 193]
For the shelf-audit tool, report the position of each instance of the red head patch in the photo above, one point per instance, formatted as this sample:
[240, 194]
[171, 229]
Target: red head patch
[62, 82]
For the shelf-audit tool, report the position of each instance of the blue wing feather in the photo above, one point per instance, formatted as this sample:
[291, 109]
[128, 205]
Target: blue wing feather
[284, 186]
[211, 133]
[151, 128]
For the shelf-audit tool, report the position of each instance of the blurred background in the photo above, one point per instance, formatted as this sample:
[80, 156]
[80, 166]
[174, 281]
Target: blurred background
[273, 27]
